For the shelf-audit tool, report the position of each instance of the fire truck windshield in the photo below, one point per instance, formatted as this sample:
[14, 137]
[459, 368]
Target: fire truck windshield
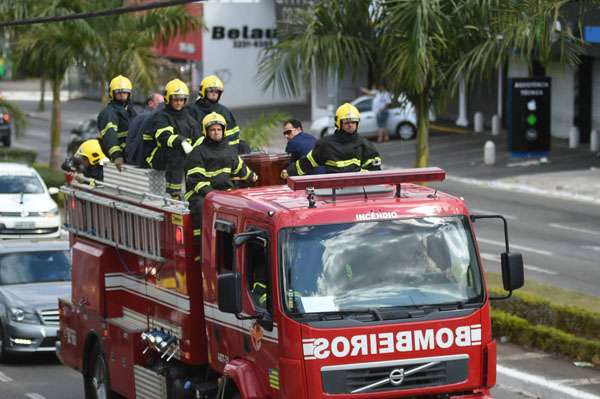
[378, 265]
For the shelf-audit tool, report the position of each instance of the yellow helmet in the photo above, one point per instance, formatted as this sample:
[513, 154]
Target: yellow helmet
[346, 112]
[92, 151]
[211, 119]
[119, 83]
[211, 82]
[176, 88]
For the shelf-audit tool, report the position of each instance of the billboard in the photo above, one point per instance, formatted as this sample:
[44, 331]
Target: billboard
[236, 33]
[529, 120]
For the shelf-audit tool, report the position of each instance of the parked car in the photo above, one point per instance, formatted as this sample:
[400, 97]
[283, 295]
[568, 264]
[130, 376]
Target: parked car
[26, 208]
[402, 120]
[5, 127]
[87, 129]
[33, 275]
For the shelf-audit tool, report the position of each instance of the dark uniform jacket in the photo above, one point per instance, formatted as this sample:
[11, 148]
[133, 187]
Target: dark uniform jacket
[113, 124]
[339, 153]
[299, 146]
[162, 144]
[203, 107]
[213, 166]
[76, 164]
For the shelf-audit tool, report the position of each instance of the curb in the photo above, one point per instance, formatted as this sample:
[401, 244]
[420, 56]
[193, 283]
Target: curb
[537, 386]
[521, 188]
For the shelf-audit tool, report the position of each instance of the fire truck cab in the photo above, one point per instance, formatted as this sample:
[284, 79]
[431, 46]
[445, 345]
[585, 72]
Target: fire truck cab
[360, 285]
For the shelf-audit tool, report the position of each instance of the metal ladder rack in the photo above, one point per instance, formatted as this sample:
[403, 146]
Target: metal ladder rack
[116, 223]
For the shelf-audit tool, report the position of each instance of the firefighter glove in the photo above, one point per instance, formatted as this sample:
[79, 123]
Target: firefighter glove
[187, 147]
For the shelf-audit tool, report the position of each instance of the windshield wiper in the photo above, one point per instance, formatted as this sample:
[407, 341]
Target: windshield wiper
[340, 314]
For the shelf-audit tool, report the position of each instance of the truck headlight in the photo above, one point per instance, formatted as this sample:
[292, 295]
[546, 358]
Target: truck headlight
[23, 316]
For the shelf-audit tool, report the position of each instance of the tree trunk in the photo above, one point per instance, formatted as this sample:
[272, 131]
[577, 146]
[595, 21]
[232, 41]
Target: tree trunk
[422, 131]
[41, 104]
[55, 125]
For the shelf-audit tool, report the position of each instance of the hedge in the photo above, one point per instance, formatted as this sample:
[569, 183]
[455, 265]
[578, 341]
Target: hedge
[547, 339]
[572, 320]
[17, 155]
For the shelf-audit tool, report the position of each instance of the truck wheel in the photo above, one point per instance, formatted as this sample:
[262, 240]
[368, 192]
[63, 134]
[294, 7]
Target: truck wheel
[96, 380]
[4, 356]
[406, 131]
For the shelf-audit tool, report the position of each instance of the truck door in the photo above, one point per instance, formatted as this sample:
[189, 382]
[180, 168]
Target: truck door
[261, 344]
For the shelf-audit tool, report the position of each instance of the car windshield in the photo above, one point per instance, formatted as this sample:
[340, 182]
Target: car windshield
[374, 265]
[17, 184]
[35, 267]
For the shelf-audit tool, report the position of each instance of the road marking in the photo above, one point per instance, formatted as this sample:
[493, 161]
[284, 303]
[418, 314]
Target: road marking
[577, 229]
[486, 212]
[523, 356]
[34, 395]
[521, 247]
[496, 258]
[592, 247]
[574, 382]
[4, 377]
[532, 381]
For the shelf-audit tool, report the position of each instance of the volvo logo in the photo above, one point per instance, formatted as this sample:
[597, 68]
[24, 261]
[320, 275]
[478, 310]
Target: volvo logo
[396, 377]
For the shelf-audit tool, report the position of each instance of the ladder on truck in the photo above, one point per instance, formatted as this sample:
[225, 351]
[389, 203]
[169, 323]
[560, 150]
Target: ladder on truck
[122, 211]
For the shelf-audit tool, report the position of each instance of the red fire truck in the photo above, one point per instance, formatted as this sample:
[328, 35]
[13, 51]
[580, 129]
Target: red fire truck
[358, 285]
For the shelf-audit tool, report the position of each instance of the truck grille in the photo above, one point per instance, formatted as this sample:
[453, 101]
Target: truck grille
[49, 316]
[425, 372]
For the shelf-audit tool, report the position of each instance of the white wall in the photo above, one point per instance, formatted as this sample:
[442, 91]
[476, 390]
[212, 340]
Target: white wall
[235, 59]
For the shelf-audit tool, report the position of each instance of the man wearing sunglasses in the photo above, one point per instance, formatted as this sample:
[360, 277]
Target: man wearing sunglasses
[299, 143]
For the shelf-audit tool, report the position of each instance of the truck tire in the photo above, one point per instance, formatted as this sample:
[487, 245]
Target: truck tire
[4, 355]
[96, 381]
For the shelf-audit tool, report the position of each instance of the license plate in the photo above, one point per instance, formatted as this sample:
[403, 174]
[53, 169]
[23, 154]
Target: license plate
[24, 225]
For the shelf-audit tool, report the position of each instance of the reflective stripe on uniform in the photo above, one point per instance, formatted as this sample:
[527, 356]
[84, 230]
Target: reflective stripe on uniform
[299, 169]
[239, 167]
[171, 140]
[174, 186]
[109, 125]
[311, 159]
[231, 131]
[122, 134]
[148, 137]
[114, 149]
[161, 130]
[199, 141]
[234, 142]
[247, 175]
[262, 299]
[197, 232]
[207, 173]
[344, 163]
[151, 157]
[375, 161]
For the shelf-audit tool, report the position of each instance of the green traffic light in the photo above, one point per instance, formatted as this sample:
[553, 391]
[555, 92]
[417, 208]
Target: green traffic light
[531, 119]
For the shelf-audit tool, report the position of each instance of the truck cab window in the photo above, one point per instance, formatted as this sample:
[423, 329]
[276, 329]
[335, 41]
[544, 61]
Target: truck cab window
[257, 273]
[224, 248]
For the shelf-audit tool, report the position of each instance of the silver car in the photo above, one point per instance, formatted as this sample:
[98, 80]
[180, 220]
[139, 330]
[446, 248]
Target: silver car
[33, 275]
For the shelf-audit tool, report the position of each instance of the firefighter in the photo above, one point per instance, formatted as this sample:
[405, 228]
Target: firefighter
[211, 89]
[113, 120]
[343, 151]
[88, 160]
[172, 133]
[212, 165]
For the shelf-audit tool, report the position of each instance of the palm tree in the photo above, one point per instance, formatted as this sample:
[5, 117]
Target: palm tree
[338, 35]
[126, 42]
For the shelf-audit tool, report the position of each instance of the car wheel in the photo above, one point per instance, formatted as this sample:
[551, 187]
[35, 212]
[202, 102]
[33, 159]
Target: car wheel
[324, 132]
[406, 131]
[96, 379]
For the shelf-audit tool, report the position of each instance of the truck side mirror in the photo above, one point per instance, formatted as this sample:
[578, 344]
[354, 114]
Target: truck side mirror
[513, 276]
[230, 293]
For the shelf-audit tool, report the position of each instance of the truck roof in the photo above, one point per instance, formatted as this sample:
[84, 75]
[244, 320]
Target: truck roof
[352, 203]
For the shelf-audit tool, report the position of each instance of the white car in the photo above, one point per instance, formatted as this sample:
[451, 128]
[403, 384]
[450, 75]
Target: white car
[402, 120]
[26, 208]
